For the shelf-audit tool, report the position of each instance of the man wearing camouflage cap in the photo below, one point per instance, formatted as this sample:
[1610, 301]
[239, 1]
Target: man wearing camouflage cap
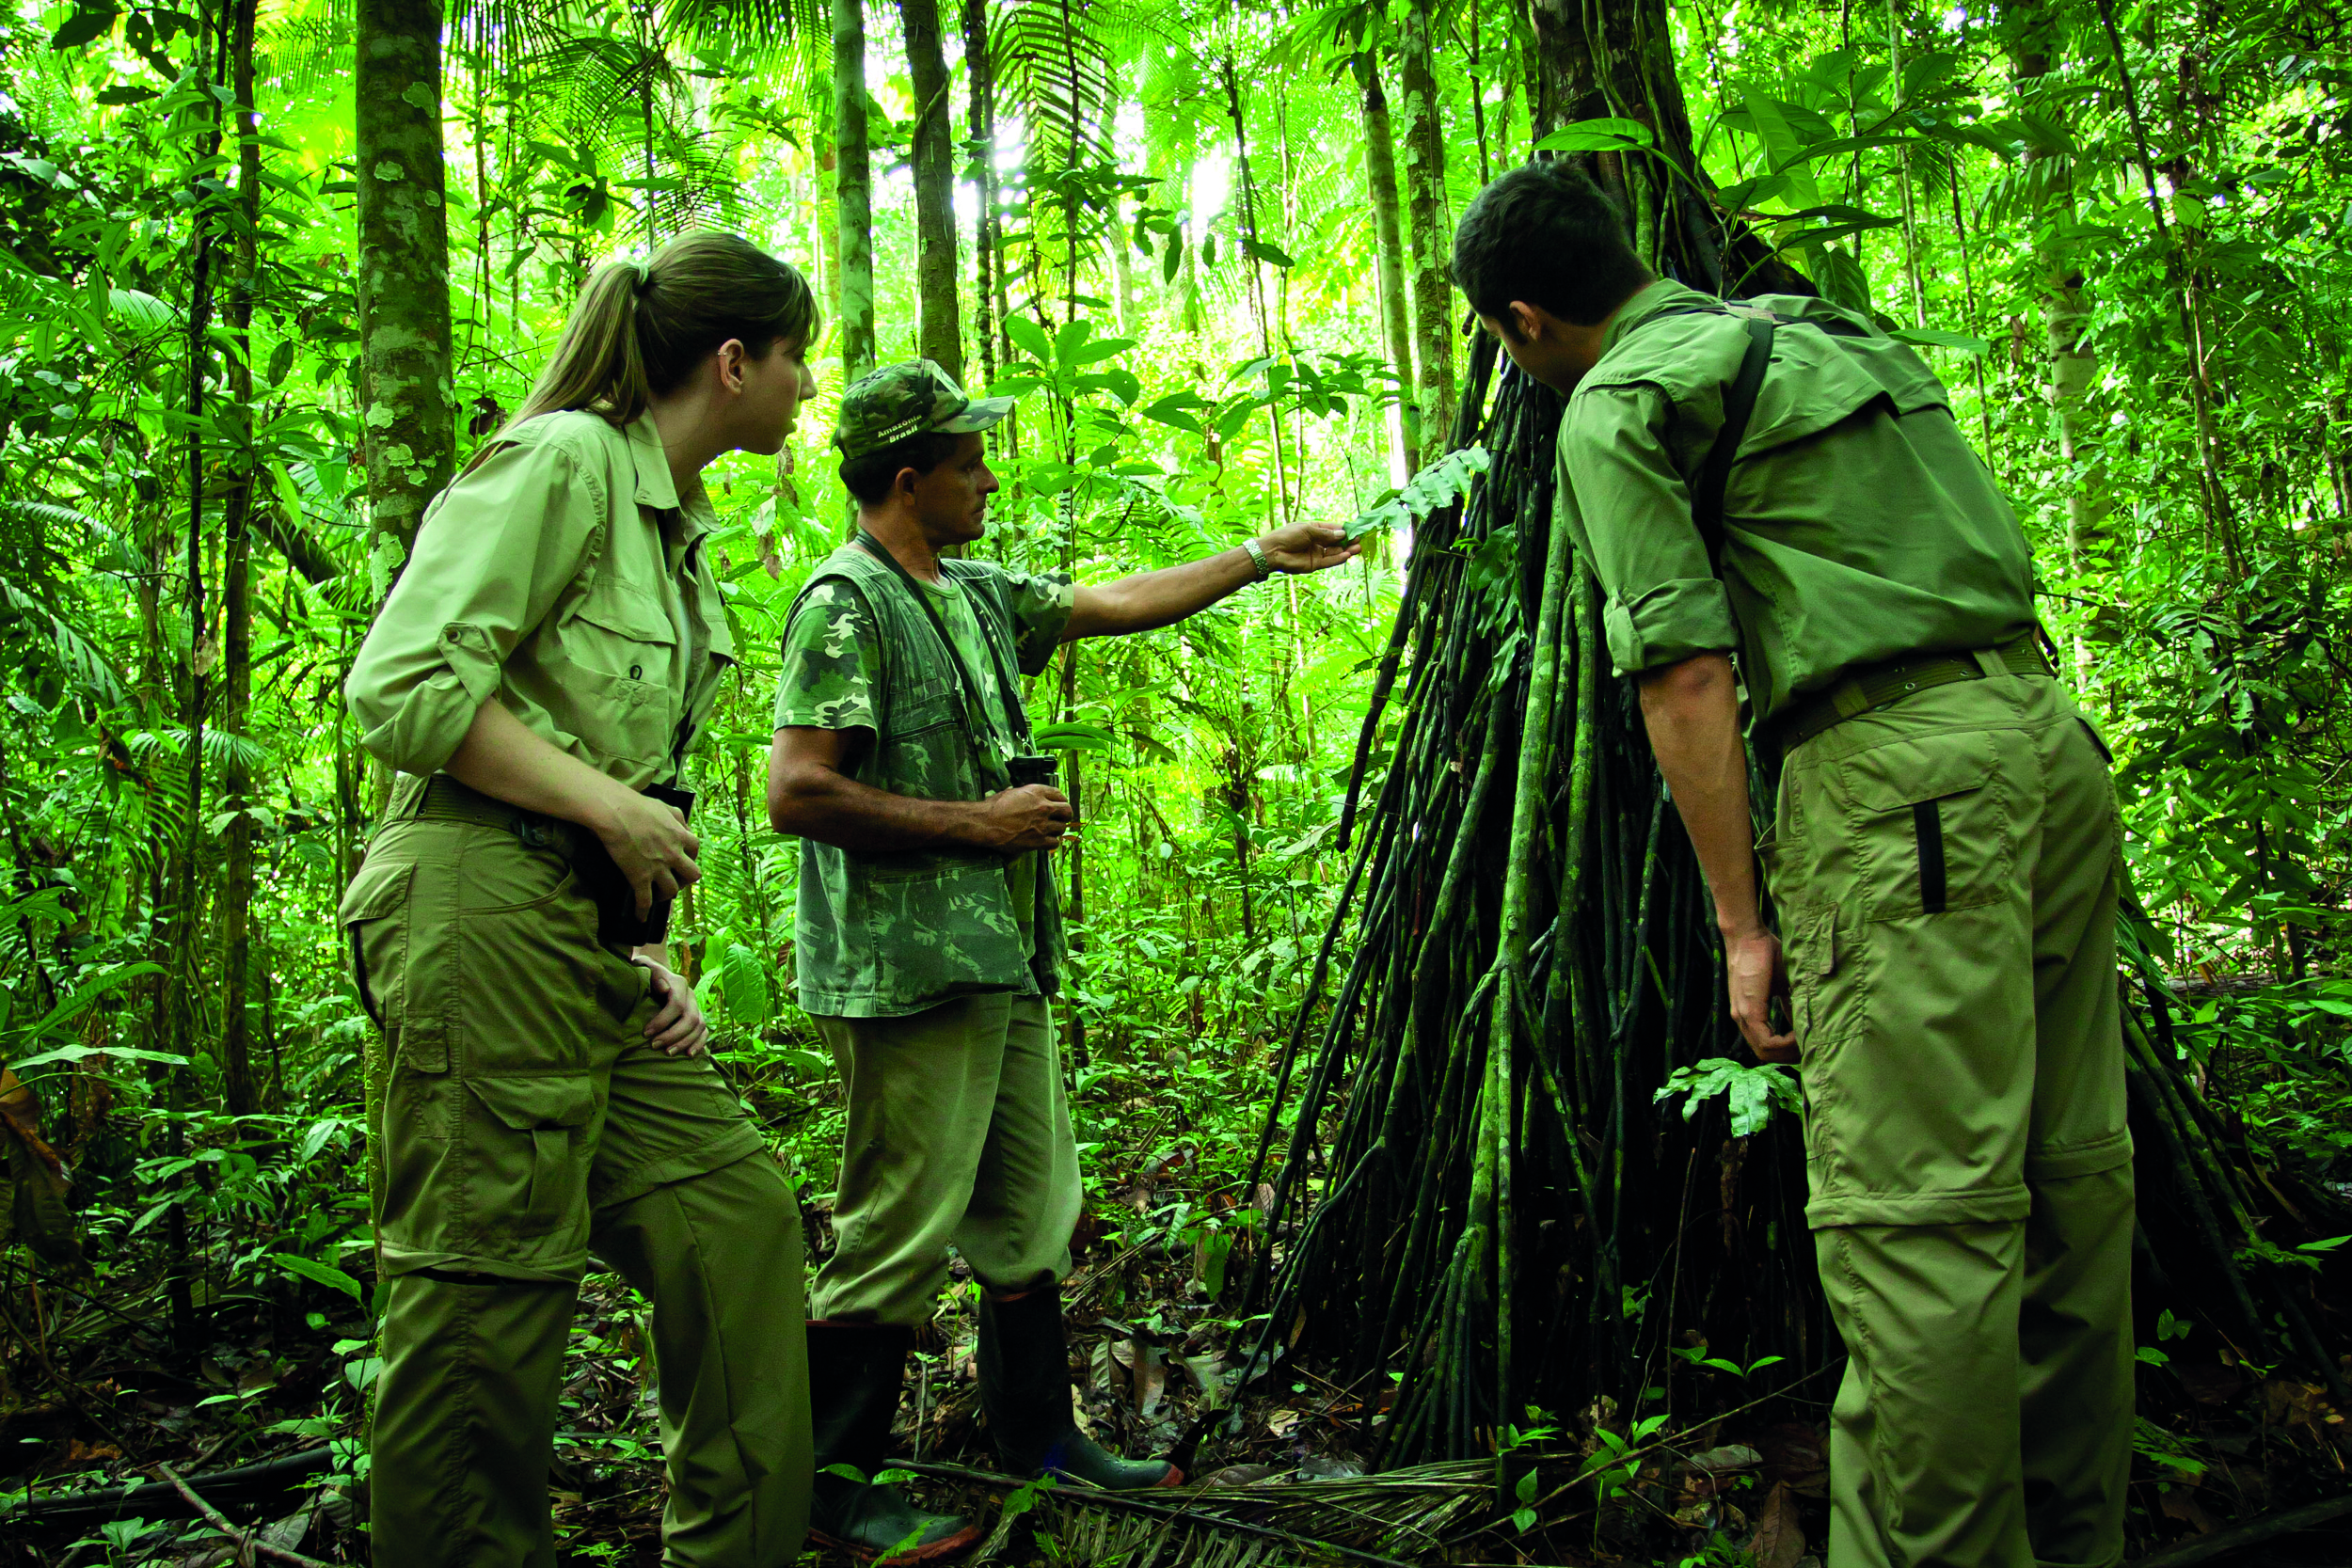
[928, 939]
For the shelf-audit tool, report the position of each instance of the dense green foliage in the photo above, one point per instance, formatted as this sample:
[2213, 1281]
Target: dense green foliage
[2116, 230]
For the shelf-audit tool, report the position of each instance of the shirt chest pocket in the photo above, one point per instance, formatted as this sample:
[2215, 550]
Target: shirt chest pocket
[922, 703]
[621, 641]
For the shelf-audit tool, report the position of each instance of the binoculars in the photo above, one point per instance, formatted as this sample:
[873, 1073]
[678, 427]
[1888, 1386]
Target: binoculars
[1032, 769]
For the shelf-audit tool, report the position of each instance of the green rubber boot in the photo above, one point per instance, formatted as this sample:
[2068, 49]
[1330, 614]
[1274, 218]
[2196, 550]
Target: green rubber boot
[855, 1371]
[1024, 1390]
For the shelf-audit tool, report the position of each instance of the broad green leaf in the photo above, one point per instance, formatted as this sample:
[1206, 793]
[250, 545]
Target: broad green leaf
[1930, 337]
[83, 1053]
[1072, 736]
[1747, 193]
[1842, 279]
[1606, 135]
[1097, 351]
[1174, 412]
[1029, 339]
[1753, 1092]
[139, 311]
[1120, 382]
[744, 984]
[1071, 342]
[84, 26]
[316, 1272]
[1783, 147]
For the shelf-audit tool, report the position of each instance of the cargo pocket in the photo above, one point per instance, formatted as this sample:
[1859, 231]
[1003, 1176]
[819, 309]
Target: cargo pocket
[401, 959]
[531, 1155]
[1930, 831]
[374, 896]
[1809, 948]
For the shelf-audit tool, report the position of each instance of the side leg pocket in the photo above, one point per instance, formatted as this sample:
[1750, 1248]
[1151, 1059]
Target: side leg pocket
[402, 953]
[376, 937]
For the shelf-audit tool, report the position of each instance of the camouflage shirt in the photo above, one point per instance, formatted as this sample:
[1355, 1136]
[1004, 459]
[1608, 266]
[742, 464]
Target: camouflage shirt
[880, 935]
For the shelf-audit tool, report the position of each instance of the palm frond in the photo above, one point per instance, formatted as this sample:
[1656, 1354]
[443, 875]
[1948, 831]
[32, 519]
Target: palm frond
[1051, 65]
[307, 54]
[502, 36]
[1388, 1520]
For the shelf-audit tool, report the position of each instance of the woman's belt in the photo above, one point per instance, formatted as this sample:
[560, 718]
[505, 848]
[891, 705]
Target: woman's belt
[1874, 686]
[445, 800]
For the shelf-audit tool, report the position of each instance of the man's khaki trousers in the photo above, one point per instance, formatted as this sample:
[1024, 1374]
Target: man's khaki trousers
[1946, 873]
[518, 1120]
[959, 1130]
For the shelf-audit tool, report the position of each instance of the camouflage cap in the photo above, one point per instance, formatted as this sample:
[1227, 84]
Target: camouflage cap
[898, 401]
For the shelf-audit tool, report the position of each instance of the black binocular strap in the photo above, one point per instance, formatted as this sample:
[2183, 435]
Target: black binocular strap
[1016, 716]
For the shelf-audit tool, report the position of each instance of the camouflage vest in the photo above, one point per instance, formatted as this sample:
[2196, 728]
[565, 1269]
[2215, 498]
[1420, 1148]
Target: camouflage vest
[885, 935]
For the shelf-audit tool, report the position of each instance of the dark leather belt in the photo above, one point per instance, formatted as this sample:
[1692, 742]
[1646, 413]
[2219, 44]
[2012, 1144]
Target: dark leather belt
[1874, 686]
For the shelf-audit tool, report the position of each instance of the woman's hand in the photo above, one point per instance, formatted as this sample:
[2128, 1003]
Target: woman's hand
[679, 1027]
[650, 842]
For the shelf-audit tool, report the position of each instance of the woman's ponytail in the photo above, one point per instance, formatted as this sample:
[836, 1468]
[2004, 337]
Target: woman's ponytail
[598, 363]
[641, 327]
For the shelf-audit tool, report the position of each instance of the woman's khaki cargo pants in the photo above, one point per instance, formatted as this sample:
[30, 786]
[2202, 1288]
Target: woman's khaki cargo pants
[517, 1121]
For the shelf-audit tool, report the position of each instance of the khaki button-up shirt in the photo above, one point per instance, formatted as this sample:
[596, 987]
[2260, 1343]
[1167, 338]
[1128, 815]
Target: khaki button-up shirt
[564, 575]
[1859, 525]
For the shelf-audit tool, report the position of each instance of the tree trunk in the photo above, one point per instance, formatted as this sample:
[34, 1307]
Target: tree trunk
[1432, 230]
[1388, 247]
[939, 335]
[983, 177]
[1625, 70]
[1118, 242]
[184, 911]
[853, 188]
[409, 416]
[2065, 314]
[236, 903]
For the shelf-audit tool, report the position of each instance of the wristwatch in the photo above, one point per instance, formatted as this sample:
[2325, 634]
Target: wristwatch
[1257, 559]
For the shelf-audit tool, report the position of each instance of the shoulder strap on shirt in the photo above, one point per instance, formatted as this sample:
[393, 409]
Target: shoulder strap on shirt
[1706, 493]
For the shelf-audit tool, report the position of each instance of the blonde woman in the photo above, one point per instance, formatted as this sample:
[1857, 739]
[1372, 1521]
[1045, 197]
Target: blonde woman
[537, 676]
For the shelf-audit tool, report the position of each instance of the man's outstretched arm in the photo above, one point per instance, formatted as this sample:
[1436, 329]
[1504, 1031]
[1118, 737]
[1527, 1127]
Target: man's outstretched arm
[1153, 599]
[1691, 710]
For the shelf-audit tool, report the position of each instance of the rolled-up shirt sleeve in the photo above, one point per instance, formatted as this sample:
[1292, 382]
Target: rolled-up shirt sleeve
[1042, 603]
[488, 564]
[1622, 491]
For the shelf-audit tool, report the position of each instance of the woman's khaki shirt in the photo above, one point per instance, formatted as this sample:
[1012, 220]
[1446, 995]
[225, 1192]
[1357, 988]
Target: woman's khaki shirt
[566, 576]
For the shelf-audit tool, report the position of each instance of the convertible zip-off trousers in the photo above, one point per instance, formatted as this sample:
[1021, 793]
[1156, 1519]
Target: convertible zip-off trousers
[517, 1121]
[1946, 869]
[959, 1130]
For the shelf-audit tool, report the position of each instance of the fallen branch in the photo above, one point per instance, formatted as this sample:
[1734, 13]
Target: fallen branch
[2226, 1543]
[247, 1544]
[160, 1499]
[1121, 1501]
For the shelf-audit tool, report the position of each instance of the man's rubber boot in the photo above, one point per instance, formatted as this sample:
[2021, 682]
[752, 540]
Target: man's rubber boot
[1024, 1390]
[855, 1371]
